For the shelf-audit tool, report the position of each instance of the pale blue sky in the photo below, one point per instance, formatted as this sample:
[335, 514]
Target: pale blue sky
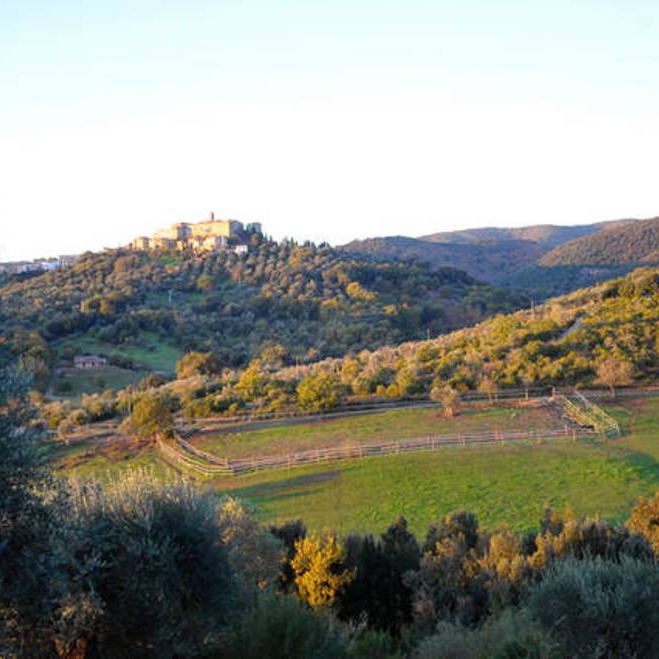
[327, 120]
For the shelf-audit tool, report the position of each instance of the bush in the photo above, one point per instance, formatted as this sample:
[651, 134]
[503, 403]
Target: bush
[599, 608]
[280, 627]
[141, 570]
[374, 645]
[644, 520]
[255, 554]
[151, 415]
[320, 571]
[319, 392]
[198, 363]
[378, 594]
[513, 636]
[25, 523]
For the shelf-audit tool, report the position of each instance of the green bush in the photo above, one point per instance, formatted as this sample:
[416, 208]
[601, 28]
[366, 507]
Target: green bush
[319, 392]
[599, 608]
[280, 627]
[141, 570]
[512, 636]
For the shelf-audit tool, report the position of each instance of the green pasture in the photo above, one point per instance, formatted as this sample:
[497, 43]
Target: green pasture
[151, 352]
[502, 485]
[89, 382]
[370, 428]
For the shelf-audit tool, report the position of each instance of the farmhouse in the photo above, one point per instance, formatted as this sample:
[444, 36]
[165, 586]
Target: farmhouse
[89, 362]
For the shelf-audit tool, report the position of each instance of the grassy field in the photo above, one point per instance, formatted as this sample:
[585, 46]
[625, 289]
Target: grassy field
[151, 352]
[89, 382]
[501, 485]
[351, 431]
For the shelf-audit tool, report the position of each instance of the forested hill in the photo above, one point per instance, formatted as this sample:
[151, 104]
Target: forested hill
[606, 335]
[602, 335]
[313, 301]
[488, 261]
[546, 235]
[493, 254]
[633, 243]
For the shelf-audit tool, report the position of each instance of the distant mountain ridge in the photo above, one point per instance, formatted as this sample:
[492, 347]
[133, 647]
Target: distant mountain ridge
[633, 243]
[544, 259]
[486, 261]
[548, 235]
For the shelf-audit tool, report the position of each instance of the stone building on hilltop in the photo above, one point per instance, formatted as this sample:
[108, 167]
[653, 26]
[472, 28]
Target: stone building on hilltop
[209, 235]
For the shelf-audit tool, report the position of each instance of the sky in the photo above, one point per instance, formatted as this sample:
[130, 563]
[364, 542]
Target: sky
[329, 120]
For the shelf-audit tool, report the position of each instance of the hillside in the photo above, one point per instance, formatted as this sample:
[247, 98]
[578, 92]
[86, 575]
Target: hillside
[565, 341]
[311, 301]
[547, 235]
[630, 244]
[512, 257]
[487, 261]
[601, 336]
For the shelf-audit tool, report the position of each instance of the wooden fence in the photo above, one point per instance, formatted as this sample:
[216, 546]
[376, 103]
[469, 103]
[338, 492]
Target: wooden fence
[182, 454]
[586, 414]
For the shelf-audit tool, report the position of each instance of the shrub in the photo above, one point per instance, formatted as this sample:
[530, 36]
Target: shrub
[513, 636]
[280, 627]
[141, 570]
[645, 520]
[378, 594]
[198, 363]
[151, 415]
[599, 608]
[25, 523]
[319, 392]
[254, 553]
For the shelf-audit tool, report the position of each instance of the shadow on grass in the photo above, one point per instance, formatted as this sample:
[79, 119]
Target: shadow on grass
[644, 466]
[298, 486]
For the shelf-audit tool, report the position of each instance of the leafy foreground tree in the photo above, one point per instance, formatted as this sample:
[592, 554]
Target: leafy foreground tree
[141, 571]
[25, 522]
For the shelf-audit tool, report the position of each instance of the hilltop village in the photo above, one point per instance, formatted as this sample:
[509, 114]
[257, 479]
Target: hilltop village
[207, 236]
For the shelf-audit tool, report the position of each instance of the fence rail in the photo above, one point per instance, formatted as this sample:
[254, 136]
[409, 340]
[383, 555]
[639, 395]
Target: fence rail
[585, 418]
[197, 461]
[585, 413]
